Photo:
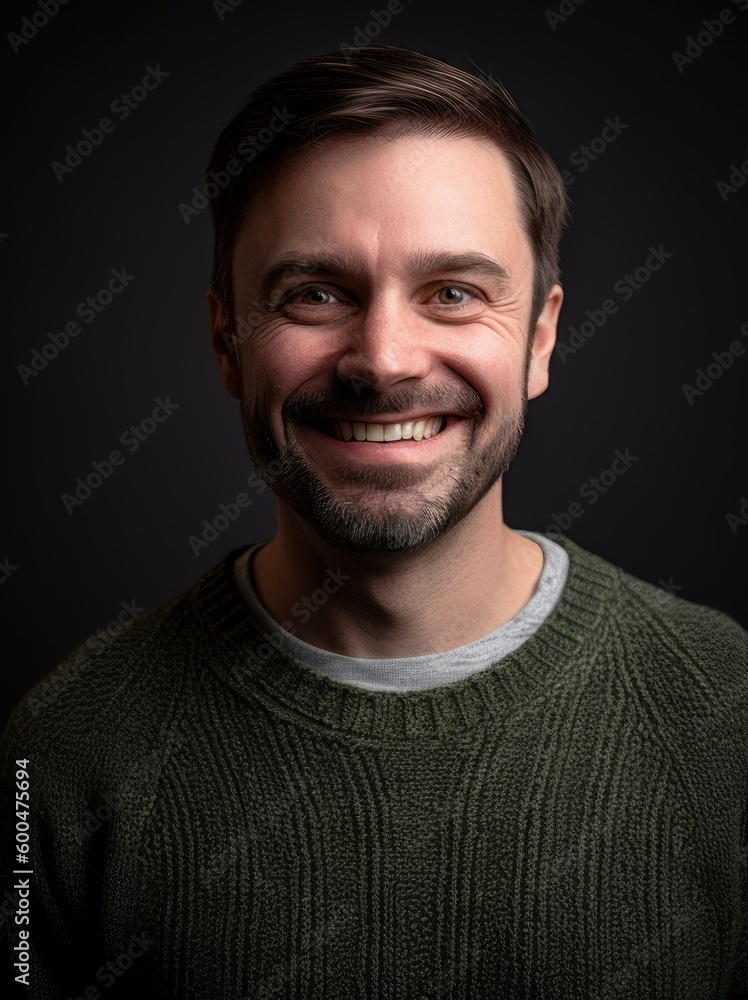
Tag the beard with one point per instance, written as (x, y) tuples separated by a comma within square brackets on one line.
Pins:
[(384, 508)]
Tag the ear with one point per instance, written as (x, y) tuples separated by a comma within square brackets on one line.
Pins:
[(543, 343), (224, 344)]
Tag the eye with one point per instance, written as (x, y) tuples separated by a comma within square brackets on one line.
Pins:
[(309, 296), (453, 295)]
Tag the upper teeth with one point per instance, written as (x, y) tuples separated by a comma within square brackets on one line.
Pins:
[(415, 429)]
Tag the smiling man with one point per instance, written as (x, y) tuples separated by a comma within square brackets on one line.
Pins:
[(384, 385), (399, 749)]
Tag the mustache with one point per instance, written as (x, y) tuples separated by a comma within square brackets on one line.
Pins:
[(363, 403)]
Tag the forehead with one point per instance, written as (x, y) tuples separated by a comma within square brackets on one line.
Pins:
[(380, 200)]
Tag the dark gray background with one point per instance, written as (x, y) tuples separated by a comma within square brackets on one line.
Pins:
[(664, 520)]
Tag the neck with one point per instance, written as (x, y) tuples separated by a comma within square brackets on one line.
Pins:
[(467, 583)]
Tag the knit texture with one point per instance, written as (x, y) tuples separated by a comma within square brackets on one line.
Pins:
[(568, 823)]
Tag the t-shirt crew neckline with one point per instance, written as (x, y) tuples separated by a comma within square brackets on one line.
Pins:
[(428, 670), (244, 657)]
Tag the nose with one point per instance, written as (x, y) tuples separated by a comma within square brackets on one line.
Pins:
[(387, 343)]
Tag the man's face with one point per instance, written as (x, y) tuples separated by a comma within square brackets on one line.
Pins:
[(406, 297)]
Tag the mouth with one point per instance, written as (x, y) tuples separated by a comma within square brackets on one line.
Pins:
[(381, 432)]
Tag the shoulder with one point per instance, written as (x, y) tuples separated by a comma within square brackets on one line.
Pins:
[(685, 626), (653, 614), (684, 663), (113, 695)]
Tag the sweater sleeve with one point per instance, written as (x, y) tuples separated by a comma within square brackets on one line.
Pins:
[(706, 725), (88, 733), (44, 866)]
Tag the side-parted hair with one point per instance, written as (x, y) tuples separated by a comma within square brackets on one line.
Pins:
[(393, 91)]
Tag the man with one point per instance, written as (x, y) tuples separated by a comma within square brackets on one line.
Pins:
[(400, 749)]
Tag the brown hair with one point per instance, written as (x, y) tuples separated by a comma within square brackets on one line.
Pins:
[(380, 88)]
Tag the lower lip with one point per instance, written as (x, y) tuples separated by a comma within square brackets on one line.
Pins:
[(383, 451)]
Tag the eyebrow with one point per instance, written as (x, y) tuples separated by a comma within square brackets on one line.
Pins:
[(417, 265)]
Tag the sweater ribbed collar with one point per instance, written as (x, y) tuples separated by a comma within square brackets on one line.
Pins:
[(243, 655)]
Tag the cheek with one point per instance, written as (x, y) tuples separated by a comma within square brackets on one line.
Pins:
[(492, 363), (275, 360), (271, 352), (288, 355), (498, 389)]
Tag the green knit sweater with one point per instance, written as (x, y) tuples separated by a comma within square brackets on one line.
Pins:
[(212, 819)]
